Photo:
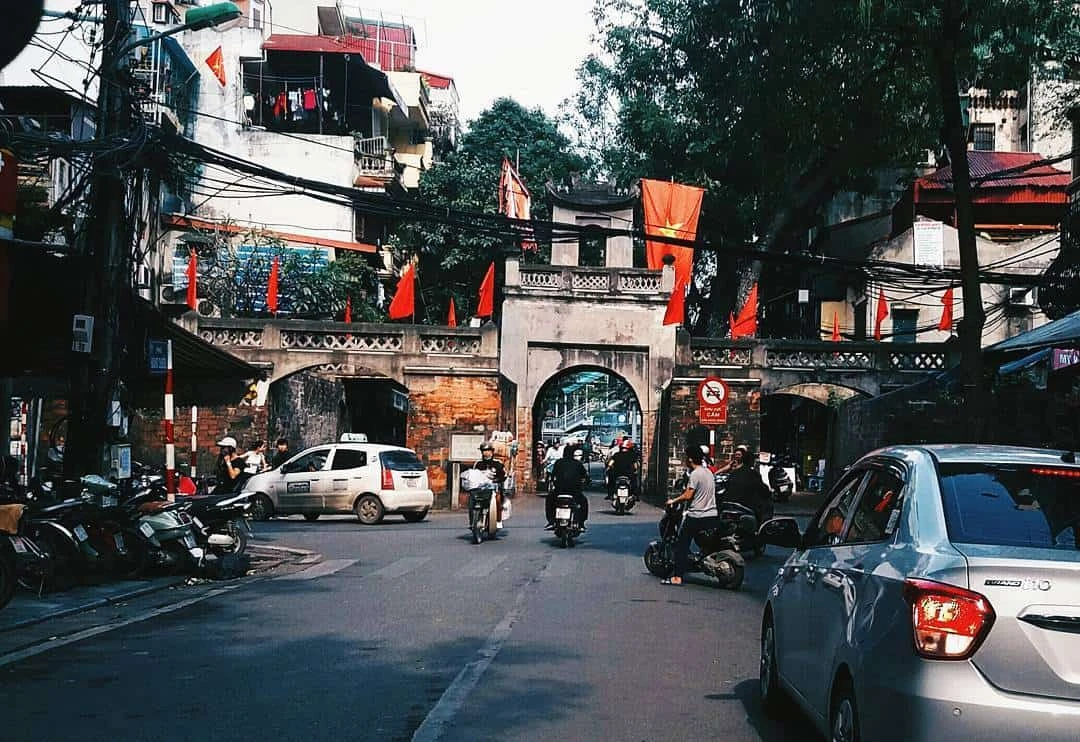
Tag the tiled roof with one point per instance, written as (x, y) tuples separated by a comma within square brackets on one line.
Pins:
[(982, 164)]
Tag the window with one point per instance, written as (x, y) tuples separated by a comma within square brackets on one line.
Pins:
[(161, 12), (828, 529), (313, 461), (905, 322), (348, 458), (255, 20), (878, 510), (983, 137), (1012, 505), (401, 460)]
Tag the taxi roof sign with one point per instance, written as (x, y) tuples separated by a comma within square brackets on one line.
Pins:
[(353, 438)]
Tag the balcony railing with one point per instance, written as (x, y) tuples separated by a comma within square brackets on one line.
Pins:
[(373, 156)]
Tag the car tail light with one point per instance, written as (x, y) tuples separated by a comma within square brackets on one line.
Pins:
[(949, 623), (1066, 473), (387, 479)]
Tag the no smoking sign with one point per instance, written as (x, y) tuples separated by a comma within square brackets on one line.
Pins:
[(712, 401)]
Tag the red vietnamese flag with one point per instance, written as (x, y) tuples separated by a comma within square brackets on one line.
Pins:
[(675, 314), (348, 309), (515, 200), (882, 313), (216, 63), (192, 281), (451, 316), (485, 307), (835, 327), (404, 302), (947, 312), (745, 325), (272, 287), (671, 210)]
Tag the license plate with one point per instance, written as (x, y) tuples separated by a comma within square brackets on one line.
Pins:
[(118, 539), (562, 513), (80, 533), (197, 522), (18, 545), (147, 530), (189, 541), (623, 493)]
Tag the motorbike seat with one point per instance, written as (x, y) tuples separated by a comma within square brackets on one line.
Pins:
[(9, 517), (57, 508)]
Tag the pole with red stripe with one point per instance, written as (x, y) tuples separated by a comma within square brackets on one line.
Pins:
[(194, 441), (170, 444)]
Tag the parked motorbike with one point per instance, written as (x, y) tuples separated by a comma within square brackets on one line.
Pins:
[(567, 519), (717, 553), (220, 522), (161, 535), (22, 562), (623, 498)]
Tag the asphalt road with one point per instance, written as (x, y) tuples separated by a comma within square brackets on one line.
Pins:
[(410, 632)]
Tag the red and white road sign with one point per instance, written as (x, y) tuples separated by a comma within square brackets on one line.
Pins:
[(712, 401)]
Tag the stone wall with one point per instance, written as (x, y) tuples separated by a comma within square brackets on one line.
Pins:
[(306, 409), (440, 405)]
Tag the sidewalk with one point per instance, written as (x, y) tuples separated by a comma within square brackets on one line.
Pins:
[(26, 609)]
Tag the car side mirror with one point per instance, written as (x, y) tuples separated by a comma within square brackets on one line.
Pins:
[(782, 532)]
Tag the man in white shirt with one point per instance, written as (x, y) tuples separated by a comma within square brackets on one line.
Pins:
[(700, 515)]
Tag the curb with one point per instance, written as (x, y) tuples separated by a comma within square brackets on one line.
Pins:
[(308, 558)]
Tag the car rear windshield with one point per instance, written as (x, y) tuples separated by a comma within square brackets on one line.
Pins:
[(1009, 505), (401, 461)]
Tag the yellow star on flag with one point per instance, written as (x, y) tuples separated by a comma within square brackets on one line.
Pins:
[(669, 229)]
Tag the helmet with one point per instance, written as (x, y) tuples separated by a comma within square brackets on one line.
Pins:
[(486, 446), (627, 444), (227, 441), (578, 453), (705, 449)]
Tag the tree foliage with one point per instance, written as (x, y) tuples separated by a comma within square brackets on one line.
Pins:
[(452, 262), (774, 106)]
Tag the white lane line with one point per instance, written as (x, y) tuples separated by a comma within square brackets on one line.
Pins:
[(401, 567), (22, 654), (482, 567), (453, 698), (322, 569)]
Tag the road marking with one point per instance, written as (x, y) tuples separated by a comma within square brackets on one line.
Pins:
[(453, 698), (322, 569), (401, 567), (78, 636), (482, 567)]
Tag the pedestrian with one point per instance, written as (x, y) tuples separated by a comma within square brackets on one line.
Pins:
[(281, 453), (255, 458)]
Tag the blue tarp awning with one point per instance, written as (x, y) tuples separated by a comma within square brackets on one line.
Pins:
[(1021, 363)]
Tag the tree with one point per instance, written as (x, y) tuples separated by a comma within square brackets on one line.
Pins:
[(452, 261)]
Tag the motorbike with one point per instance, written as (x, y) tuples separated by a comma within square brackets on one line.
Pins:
[(22, 561), (717, 553), (781, 482), (482, 512), (567, 519), (623, 498), (220, 522), (160, 535)]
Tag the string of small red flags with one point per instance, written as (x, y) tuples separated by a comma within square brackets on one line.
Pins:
[(946, 321), (745, 323), (881, 314)]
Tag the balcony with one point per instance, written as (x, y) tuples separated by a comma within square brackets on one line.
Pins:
[(165, 82)]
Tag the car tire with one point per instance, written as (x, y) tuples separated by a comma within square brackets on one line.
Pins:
[(262, 508), (844, 713), (774, 699), (415, 516), (369, 510), (311, 517)]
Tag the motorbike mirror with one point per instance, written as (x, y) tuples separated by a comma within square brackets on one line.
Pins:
[(782, 532)]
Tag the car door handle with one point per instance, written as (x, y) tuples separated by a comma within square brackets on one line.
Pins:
[(833, 580)]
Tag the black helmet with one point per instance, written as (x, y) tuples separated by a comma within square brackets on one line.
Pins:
[(486, 446)]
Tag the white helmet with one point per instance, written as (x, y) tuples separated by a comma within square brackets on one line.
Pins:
[(227, 441)]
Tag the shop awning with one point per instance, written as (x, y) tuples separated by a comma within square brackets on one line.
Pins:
[(1021, 363)]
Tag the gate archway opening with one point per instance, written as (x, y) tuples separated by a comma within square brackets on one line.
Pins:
[(797, 424), (591, 406)]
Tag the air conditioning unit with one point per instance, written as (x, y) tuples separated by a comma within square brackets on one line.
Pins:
[(168, 294), (1021, 297), (207, 308)]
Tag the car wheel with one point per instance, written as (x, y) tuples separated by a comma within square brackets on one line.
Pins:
[(369, 510), (773, 698), (844, 714), (262, 508), (415, 516), (311, 517)]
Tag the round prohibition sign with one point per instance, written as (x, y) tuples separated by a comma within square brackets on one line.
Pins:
[(713, 392)]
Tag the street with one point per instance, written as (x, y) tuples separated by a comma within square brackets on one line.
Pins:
[(408, 631)]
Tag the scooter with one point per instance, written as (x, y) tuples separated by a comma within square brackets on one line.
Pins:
[(567, 519), (780, 482), (22, 561), (482, 512), (717, 553), (623, 498), (220, 521)]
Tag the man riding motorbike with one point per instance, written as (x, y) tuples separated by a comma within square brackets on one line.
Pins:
[(488, 462), (569, 477), (744, 484), (623, 464)]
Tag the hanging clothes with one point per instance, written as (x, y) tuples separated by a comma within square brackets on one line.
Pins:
[(309, 100), (281, 105)]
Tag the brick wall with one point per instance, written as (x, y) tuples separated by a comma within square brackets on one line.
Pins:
[(147, 433), (441, 405)]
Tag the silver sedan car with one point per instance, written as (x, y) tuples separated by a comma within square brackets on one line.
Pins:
[(935, 595)]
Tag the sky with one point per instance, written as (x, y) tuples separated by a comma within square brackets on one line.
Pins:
[(492, 48)]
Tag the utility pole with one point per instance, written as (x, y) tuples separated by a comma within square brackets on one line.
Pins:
[(108, 252)]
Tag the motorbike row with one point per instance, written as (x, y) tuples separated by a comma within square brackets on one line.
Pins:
[(51, 541)]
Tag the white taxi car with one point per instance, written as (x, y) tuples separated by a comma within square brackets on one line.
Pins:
[(367, 479)]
